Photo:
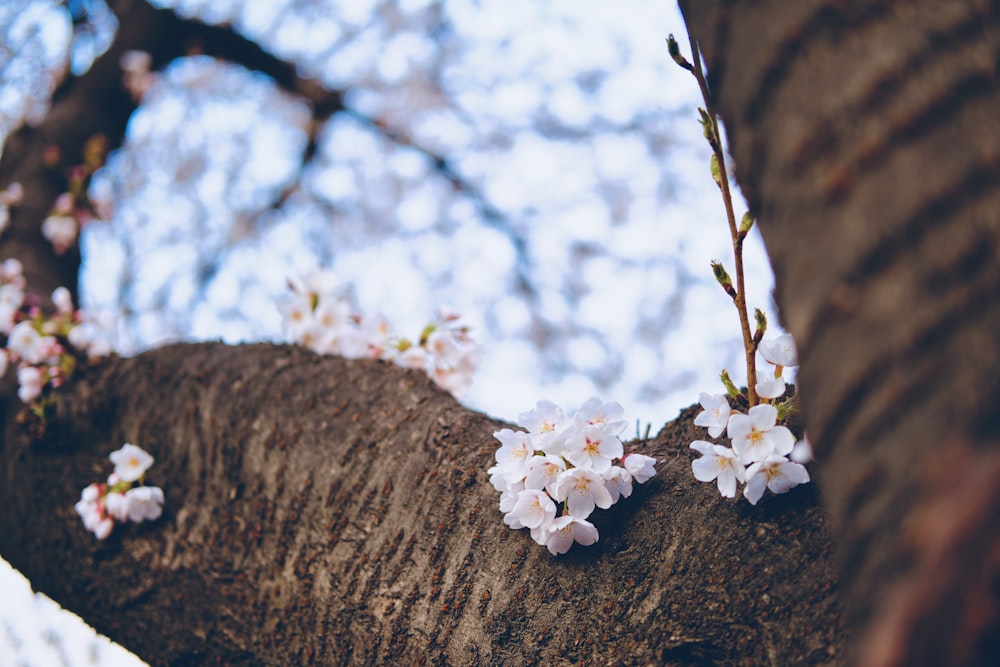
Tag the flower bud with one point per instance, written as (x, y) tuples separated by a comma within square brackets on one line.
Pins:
[(728, 384), (675, 52), (716, 172), (761, 320), (723, 278), (707, 127)]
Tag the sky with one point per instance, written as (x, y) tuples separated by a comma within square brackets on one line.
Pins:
[(567, 118)]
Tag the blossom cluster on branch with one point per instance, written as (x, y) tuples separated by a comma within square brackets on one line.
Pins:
[(123, 497), (318, 316), (764, 454), (552, 476), (75, 208), (46, 348)]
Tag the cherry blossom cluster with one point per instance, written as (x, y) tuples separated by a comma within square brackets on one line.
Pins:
[(318, 316), (552, 476), (73, 209), (123, 497), (763, 454), (46, 348)]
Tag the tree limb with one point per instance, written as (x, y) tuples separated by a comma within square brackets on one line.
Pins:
[(326, 511)]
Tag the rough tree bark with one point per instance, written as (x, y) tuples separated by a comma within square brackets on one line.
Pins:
[(867, 139), (320, 511)]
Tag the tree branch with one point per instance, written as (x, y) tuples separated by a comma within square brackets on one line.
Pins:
[(321, 510)]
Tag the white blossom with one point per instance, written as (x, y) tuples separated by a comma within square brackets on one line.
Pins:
[(755, 435), (715, 415), (718, 463), (514, 454), (774, 472), (30, 383), (532, 509), (23, 341), (769, 387), (618, 482), (593, 448), (780, 351), (61, 231), (543, 471), (145, 503), (582, 490), (545, 424), (131, 462), (569, 462), (802, 452), (116, 505), (640, 467), (596, 412), (565, 530)]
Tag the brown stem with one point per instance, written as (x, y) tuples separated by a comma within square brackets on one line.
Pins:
[(740, 300)]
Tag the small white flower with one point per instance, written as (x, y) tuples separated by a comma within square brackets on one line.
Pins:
[(412, 357), (774, 472), (145, 503), (514, 454), (11, 269), (582, 490), (11, 295), (62, 300), (90, 509), (565, 530), (780, 351), (618, 482), (23, 341), (802, 452), (593, 448), (61, 231), (456, 376), (532, 509), (103, 528), (30, 382), (13, 195), (296, 314), (543, 471), (640, 467), (596, 412), (755, 435), (718, 462), (545, 424), (332, 314), (116, 505), (131, 462), (769, 387), (715, 415)]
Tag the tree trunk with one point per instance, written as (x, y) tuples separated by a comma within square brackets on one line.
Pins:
[(327, 511), (867, 139)]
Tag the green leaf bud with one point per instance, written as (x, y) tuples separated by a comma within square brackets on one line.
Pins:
[(675, 52), (727, 382), (722, 277)]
